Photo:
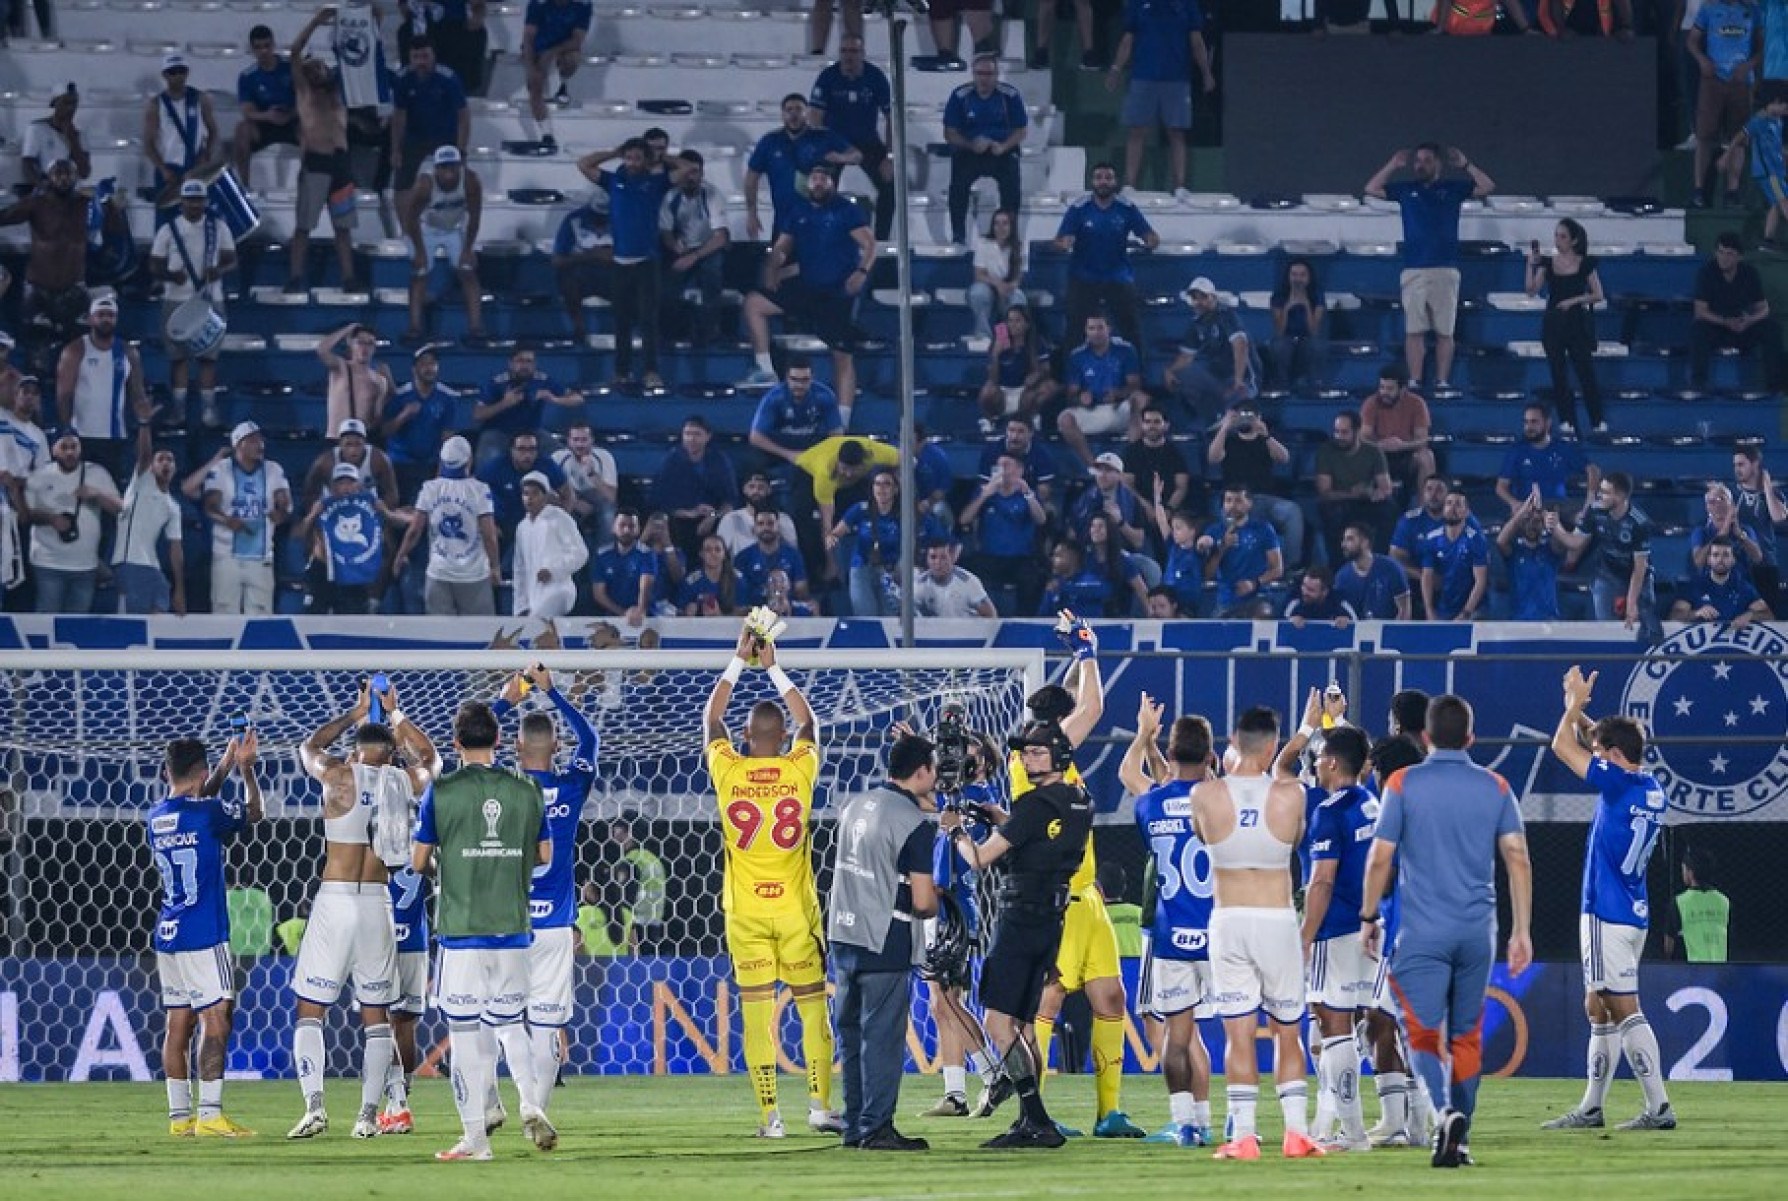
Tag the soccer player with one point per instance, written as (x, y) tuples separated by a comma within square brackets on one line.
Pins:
[(188, 831), (486, 831), (1046, 836), (1615, 909), (409, 914), (1340, 975), (1176, 960), (773, 922), (1441, 827), (1250, 822), (368, 804), (552, 903), (1088, 958)]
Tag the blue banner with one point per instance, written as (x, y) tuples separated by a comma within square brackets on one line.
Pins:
[(99, 1019)]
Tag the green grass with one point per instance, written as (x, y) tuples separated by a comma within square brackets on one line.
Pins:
[(690, 1138)]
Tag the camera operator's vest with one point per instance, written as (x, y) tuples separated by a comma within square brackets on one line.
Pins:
[(865, 870)]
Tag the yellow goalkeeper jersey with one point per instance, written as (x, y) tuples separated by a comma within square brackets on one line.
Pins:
[(766, 811), (1088, 871)]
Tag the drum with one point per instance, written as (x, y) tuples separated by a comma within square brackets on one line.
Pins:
[(230, 203), (196, 326)]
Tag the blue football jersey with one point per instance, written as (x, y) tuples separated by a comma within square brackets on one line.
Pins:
[(187, 836), (1184, 877), (552, 900), (1342, 831), (947, 867), (409, 908), (1621, 839)]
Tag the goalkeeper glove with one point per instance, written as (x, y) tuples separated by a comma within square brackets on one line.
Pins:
[(764, 625), (1076, 635)]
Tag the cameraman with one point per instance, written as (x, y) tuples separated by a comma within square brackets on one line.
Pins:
[(971, 792), (1045, 838), (881, 882)]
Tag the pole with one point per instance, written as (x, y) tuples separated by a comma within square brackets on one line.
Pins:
[(903, 261)]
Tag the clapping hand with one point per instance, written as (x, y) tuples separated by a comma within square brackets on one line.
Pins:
[(1578, 688)]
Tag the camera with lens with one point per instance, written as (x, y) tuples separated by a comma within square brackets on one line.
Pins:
[(952, 742)]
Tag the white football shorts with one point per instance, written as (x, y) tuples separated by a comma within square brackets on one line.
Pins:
[(1172, 986), (1257, 962), (549, 976), (1610, 955), (1342, 976), (350, 936), (412, 983), (195, 979), (473, 983)]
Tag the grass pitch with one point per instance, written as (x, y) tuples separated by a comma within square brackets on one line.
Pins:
[(689, 1138)]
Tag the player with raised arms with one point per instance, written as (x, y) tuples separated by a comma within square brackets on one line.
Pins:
[(369, 803), (773, 924), (485, 829), (1250, 823), (1629, 817), (1042, 842), (1176, 967), (1088, 959), (1340, 974), (188, 831), (552, 901)]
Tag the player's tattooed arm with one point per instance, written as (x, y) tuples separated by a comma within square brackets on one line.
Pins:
[(413, 741), (314, 754), (215, 781), (247, 752)]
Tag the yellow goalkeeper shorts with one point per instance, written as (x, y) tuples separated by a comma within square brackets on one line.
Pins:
[(767, 949), (1089, 945)]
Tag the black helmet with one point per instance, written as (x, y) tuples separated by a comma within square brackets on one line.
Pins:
[(1049, 734)]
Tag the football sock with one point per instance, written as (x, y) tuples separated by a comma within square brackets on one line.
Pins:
[(474, 1075), (1341, 1070), (375, 1070), (1294, 1105), (518, 1053), (1045, 1029), (1641, 1046), (1393, 1099), (955, 1081), (983, 1066), (179, 1099), (493, 1100), (1023, 1072), (545, 1042), (1604, 1052), (210, 1099), (1242, 1099), (1108, 1063), (307, 1053), (1183, 1109), (1325, 1097), (1201, 1113), (816, 1047), (397, 1087), (760, 1050)]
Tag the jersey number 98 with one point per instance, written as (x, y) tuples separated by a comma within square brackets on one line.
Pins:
[(786, 823)]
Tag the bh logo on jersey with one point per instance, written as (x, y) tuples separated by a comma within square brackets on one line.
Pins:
[(768, 890), (1711, 684)]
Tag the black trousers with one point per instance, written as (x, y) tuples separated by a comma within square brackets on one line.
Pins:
[(874, 155), (965, 168), (1569, 336), (1765, 337), (1118, 302), (636, 304)]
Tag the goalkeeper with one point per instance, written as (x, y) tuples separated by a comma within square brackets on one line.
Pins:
[(773, 922), (1042, 842)]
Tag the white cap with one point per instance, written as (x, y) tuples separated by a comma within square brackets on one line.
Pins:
[(1202, 284), (103, 301), (345, 471), (448, 156), (350, 425), (538, 479), (1109, 459), (193, 187), (173, 62), (456, 452), (244, 429)]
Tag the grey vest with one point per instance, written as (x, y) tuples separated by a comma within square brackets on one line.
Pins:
[(865, 874)]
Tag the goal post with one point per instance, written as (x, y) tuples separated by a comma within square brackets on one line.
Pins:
[(82, 736)]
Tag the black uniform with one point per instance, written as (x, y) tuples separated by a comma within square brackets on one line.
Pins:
[(1047, 831)]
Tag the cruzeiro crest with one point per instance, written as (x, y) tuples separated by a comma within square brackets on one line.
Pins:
[(1732, 684)]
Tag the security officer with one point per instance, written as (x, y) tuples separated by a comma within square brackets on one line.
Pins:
[(881, 884)]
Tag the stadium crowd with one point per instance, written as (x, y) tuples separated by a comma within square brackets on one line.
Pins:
[(1110, 481)]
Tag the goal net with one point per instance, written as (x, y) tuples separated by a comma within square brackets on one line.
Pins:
[(81, 743)]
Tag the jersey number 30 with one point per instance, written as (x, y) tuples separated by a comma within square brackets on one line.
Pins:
[(786, 824)]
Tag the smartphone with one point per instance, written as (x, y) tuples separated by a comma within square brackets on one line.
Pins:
[(241, 724), (380, 685)]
